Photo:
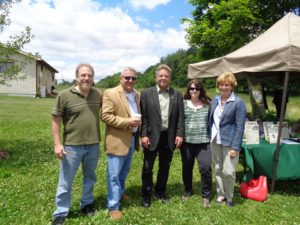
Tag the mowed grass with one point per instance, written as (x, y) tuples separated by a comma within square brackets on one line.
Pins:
[(28, 180)]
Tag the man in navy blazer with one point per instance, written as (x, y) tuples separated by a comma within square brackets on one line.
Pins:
[(162, 131)]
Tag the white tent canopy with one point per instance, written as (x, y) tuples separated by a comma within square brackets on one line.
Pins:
[(277, 49)]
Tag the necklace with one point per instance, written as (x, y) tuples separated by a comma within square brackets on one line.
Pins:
[(222, 105), (223, 102)]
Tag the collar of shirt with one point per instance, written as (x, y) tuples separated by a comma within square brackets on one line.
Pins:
[(130, 95), (74, 90), (230, 99), (190, 104), (161, 91)]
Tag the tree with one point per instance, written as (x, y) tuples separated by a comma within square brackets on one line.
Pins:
[(222, 26), (10, 68), (177, 61), (109, 81)]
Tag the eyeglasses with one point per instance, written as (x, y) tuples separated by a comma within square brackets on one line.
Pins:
[(194, 89), (130, 78)]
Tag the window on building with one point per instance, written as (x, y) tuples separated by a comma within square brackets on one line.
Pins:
[(5, 66)]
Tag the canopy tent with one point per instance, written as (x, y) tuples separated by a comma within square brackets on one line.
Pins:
[(276, 51)]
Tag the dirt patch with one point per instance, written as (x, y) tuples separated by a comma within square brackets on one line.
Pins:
[(3, 154)]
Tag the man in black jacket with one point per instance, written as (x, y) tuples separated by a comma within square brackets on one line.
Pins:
[(162, 132)]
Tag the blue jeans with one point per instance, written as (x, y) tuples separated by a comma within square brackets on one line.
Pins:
[(117, 170), (88, 155)]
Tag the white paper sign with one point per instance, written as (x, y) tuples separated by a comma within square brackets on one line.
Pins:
[(251, 132)]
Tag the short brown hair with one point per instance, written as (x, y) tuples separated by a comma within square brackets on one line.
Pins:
[(86, 65)]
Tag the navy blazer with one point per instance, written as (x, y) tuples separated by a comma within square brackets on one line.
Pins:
[(151, 116), (232, 122)]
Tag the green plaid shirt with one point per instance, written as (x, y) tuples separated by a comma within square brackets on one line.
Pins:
[(195, 124)]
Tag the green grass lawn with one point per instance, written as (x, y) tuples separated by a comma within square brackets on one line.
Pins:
[(28, 180)]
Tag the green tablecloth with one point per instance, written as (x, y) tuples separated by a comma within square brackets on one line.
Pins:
[(259, 160)]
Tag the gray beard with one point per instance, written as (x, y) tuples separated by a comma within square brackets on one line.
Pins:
[(85, 87)]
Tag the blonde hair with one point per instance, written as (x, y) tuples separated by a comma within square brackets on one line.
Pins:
[(226, 77)]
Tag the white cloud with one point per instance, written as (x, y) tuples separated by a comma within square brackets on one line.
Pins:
[(142, 20), (168, 40), (148, 4), (72, 31)]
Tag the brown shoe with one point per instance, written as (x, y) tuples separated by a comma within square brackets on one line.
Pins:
[(125, 198), (115, 214)]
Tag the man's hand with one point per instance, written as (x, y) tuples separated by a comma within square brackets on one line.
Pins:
[(178, 141), (145, 142), (134, 122), (59, 151)]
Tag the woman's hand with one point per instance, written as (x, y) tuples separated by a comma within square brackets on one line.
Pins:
[(233, 153)]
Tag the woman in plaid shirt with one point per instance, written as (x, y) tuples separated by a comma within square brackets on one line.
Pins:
[(196, 142)]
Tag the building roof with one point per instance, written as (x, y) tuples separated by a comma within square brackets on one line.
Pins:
[(36, 58)]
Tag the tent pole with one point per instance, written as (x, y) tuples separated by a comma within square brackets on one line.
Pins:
[(282, 111)]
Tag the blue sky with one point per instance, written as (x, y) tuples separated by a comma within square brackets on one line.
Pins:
[(161, 16), (108, 34)]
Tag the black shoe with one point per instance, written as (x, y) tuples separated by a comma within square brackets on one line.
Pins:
[(146, 202), (230, 204), (162, 197), (59, 220), (186, 195), (88, 210)]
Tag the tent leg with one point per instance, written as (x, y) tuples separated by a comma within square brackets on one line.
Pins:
[(277, 150)]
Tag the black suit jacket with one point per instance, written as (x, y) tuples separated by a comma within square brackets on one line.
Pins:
[(151, 116)]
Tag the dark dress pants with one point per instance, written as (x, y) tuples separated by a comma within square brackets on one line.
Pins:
[(202, 153), (165, 158)]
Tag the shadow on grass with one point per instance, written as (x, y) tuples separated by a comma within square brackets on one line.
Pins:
[(99, 204), (285, 187), (282, 187), (174, 191)]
